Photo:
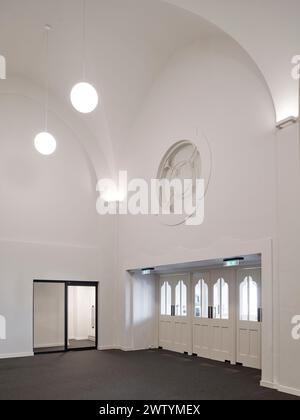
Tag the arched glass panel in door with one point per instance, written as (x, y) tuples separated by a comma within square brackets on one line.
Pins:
[(165, 299), (197, 302), (224, 300), (181, 299), (201, 299), (253, 300), (248, 300), (221, 299), (244, 308), (217, 299)]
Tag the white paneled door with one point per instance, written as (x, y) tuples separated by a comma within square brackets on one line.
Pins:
[(201, 316), (213, 318), (174, 317), (214, 314), (249, 318)]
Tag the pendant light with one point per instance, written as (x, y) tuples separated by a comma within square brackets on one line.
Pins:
[(84, 96), (44, 142)]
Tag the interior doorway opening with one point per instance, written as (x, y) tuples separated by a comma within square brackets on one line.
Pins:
[(81, 317), (65, 316)]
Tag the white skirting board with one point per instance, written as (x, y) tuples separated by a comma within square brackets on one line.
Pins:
[(79, 338), (266, 384), (288, 390), (45, 346), (101, 348), (112, 347), (15, 355), (281, 388)]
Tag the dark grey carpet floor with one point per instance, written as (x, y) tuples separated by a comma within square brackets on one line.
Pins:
[(152, 374)]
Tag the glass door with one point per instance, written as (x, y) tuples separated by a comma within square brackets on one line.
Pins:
[(82, 319), (65, 316), (49, 317)]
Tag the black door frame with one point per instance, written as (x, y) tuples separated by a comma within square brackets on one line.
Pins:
[(67, 284)]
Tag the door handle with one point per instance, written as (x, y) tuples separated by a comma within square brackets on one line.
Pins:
[(259, 315), (93, 317)]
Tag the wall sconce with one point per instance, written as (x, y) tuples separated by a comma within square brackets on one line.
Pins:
[(286, 122)]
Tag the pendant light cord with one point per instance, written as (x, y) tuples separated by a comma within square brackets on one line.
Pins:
[(84, 40), (47, 28)]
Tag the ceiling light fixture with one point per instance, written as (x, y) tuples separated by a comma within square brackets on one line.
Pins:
[(44, 142), (84, 96)]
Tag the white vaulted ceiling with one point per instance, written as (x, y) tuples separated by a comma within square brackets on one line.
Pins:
[(130, 41), (269, 31)]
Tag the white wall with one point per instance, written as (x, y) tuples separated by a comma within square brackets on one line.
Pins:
[(2, 328), (253, 197), (21, 263), (49, 225), (212, 86), (288, 292)]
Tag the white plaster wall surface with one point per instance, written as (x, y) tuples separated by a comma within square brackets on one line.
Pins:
[(20, 263), (212, 86), (50, 227), (288, 262)]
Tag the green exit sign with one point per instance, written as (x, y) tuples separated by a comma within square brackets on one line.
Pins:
[(232, 263)]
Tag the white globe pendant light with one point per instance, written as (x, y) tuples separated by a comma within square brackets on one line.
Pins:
[(84, 96), (45, 142)]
